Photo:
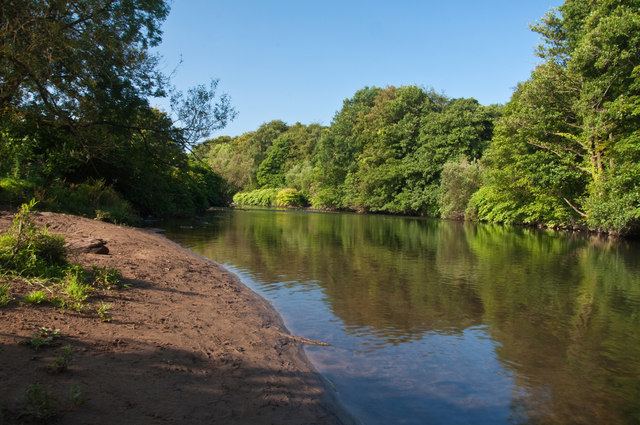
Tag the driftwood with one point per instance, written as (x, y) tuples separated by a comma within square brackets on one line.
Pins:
[(92, 246)]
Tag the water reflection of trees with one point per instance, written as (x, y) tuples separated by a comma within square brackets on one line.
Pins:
[(565, 309)]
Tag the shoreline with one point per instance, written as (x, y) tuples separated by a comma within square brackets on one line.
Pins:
[(576, 229), (188, 343)]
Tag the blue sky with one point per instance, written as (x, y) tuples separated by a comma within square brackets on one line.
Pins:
[(297, 60)]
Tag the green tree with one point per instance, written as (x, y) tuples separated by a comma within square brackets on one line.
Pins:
[(76, 78), (567, 148)]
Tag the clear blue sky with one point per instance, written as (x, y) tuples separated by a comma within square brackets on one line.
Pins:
[(297, 60)]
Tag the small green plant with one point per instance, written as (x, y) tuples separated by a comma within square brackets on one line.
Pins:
[(77, 396), (107, 277), (35, 297), (44, 337), (74, 288), (104, 312), (61, 362), (39, 403), (5, 294)]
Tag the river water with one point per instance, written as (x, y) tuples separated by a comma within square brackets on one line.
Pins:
[(436, 322)]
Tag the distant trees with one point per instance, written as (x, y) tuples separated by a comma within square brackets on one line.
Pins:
[(564, 151), (383, 152)]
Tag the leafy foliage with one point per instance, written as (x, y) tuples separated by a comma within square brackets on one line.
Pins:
[(40, 404), (31, 254), (35, 297), (290, 198), (566, 149), (384, 151), (271, 197), (256, 198), (459, 180), (75, 117), (31, 251)]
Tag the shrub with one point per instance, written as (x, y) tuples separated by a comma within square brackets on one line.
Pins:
[(15, 191), (326, 198), (614, 201), (94, 199), (256, 198), (28, 250), (290, 198), (271, 197)]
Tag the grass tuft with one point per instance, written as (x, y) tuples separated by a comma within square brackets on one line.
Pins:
[(77, 397), (5, 294), (35, 297), (39, 403), (74, 288), (104, 312), (32, 254), (107, 277)]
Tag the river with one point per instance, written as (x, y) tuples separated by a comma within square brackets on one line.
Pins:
[(437, 322)]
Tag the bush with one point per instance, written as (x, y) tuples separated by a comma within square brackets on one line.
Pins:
[(326, 199), (270, 197), (290, 198), (256, 198), (27, 250), (93, 199), (15, 191)]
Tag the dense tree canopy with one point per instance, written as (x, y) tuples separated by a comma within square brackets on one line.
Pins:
[(384, 151), (75, 82), (568, 147)]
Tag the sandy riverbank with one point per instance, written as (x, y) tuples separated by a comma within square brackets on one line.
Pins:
[(188, 343)]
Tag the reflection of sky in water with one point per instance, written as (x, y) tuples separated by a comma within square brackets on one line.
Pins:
[(450, 378)]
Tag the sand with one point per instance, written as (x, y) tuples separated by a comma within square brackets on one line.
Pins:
[(188, 344)]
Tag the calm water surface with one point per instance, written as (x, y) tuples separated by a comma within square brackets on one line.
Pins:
[(434, 322)]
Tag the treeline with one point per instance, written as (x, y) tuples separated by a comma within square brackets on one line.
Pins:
[(563, 152), (384, 151), (77, 131)]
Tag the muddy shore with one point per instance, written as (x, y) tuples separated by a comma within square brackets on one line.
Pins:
[(187, 343)]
